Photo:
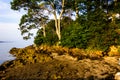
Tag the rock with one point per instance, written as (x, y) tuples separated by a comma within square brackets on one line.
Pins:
[(114, 51), (48, 62), (63, 57), (6, 65), (117, 76)]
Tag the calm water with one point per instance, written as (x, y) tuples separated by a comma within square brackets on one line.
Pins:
[(6, 46), (10, 37)]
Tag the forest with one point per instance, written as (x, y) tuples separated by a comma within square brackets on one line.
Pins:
[(86, 24)]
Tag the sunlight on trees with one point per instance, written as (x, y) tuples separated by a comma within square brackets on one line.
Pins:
[(96, 23)]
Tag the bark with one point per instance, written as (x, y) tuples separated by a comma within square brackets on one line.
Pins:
[(58, 21), (56, 24), (115, 1), (113, 18), (77, 13), (59, 30), (76, 9), (44, 33)]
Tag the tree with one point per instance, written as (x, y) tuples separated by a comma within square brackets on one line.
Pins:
[(93, 29), (57, 7), (54, 7), (33, 20), (51, 37), (75, 8), (93, 26)]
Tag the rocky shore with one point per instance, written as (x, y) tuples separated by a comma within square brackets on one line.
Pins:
[(55, 62)]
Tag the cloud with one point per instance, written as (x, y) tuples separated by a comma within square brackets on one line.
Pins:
[(9, 15)]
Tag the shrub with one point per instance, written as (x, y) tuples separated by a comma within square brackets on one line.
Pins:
[(98, 35), (51, 37), (75, 35)]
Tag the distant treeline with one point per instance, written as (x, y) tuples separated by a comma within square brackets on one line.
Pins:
[(6, 41)]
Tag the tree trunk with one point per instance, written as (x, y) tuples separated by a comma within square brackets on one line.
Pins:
[(56, 25), (58, 21), (44, 33), (77, 13), (76, 10), (59, 30)]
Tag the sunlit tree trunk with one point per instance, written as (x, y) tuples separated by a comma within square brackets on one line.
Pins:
[(115, 1), (58, 21), (44, 32), (57, 17), (76, 9)]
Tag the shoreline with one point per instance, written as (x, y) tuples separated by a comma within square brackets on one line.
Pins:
[(56, 62), (5, 48)]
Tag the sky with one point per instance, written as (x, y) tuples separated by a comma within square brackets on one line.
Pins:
[(7, 15), (9, 20), (9, 24)]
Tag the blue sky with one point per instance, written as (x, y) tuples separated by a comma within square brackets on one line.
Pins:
[(9, 20), (6, 14)]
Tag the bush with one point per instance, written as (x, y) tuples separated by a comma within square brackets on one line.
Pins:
[(51, 37), (75, 35), (98, 35)]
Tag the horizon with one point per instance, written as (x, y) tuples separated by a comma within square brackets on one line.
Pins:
[(10, 36)]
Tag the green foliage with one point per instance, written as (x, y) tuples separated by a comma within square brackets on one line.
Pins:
[(51, 37), (39, 39), (75, 35), (96, 33), (93, 29)]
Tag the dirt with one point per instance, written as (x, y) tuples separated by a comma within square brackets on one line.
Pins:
[(60, 67), (65, 69)]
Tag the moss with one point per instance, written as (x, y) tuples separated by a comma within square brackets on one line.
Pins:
[(43, 53), (54, 76)]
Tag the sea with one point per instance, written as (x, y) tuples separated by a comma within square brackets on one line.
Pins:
[(5, 47), (10, 36)]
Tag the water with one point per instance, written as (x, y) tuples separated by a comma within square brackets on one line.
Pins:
[(10, 37), (6, 46)]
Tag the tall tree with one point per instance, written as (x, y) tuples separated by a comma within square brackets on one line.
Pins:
[(75, 6), (54, 7), (32, 20)]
